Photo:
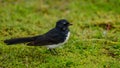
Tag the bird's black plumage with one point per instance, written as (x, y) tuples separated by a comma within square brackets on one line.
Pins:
[(53, 37)]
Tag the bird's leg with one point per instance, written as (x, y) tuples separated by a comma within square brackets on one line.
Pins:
[(53, 51), (50, 50)]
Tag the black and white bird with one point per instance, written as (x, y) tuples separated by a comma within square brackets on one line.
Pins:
[(52, 39)]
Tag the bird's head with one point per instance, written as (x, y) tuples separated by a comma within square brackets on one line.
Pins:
[(62, 24)]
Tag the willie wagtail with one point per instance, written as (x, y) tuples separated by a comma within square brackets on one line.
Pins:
[(52, 39)]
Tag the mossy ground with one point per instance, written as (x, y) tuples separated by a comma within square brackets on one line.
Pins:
[(94, 40)]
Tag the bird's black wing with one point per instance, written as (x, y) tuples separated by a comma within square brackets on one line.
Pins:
[(52, 37)]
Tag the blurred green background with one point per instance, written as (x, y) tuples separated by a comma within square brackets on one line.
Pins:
[(94, 40)]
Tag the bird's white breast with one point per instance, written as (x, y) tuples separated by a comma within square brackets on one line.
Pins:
[(67, 37), (56, 45)]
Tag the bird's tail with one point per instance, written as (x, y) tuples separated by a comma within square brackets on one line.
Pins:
[(19, 40)]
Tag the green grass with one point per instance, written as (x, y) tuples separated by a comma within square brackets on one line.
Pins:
[(90, 44)]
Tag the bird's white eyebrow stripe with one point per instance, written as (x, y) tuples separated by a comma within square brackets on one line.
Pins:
[(64, 22)]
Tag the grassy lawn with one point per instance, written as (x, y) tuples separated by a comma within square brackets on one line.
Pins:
[(94, 40)]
